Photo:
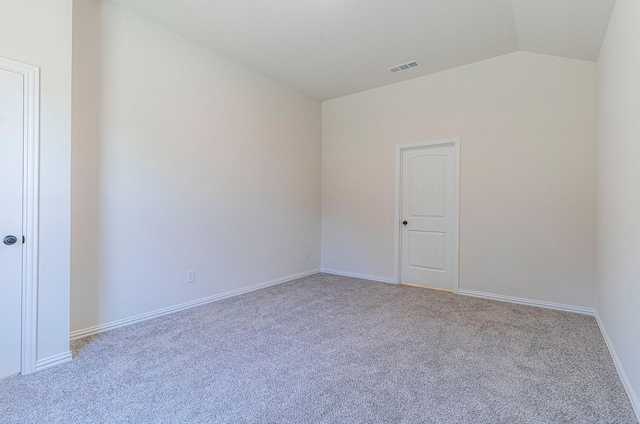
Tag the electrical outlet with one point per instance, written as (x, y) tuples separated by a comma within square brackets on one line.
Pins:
[(191, 276), (308, 255)]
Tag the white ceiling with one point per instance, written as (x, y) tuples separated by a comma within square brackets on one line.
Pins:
[(331, 48)]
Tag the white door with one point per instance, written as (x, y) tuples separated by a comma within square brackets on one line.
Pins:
[(11, 162), (429, 216)]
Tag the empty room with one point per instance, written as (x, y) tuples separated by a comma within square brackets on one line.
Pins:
[(330, 211)]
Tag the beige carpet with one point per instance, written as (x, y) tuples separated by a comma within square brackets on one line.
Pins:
[(327, 349)]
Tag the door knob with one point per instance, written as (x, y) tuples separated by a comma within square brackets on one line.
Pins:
[(404, 222), (9, 240)]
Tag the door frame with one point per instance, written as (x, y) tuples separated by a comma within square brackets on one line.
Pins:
[(30, 208), (397, 268)]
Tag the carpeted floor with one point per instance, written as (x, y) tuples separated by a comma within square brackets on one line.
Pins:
[(328, 349)]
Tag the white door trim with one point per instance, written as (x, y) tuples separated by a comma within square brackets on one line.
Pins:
[(30, 208), (398, 199)]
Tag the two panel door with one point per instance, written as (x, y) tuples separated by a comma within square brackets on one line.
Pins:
[(429, 205)]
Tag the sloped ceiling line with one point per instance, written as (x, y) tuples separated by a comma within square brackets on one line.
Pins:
[(332, 48)]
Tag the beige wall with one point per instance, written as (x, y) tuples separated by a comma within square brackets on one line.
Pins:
[(85, 164), (618, 187), (527, 198), (38, 32), (198, 163)]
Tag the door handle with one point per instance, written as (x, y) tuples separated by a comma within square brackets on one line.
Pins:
[(404, 222), (10, 240)]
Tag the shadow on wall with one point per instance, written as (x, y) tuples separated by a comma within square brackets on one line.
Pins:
[(85, 163)]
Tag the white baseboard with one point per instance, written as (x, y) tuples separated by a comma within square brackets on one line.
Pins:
[(530, 302), (633, 398), (52, 361), (356, 275), (159, 312)]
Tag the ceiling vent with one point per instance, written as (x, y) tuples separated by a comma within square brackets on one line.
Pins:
[(404, 67)]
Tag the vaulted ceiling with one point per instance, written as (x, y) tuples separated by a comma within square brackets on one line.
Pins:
[(331, 48)]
